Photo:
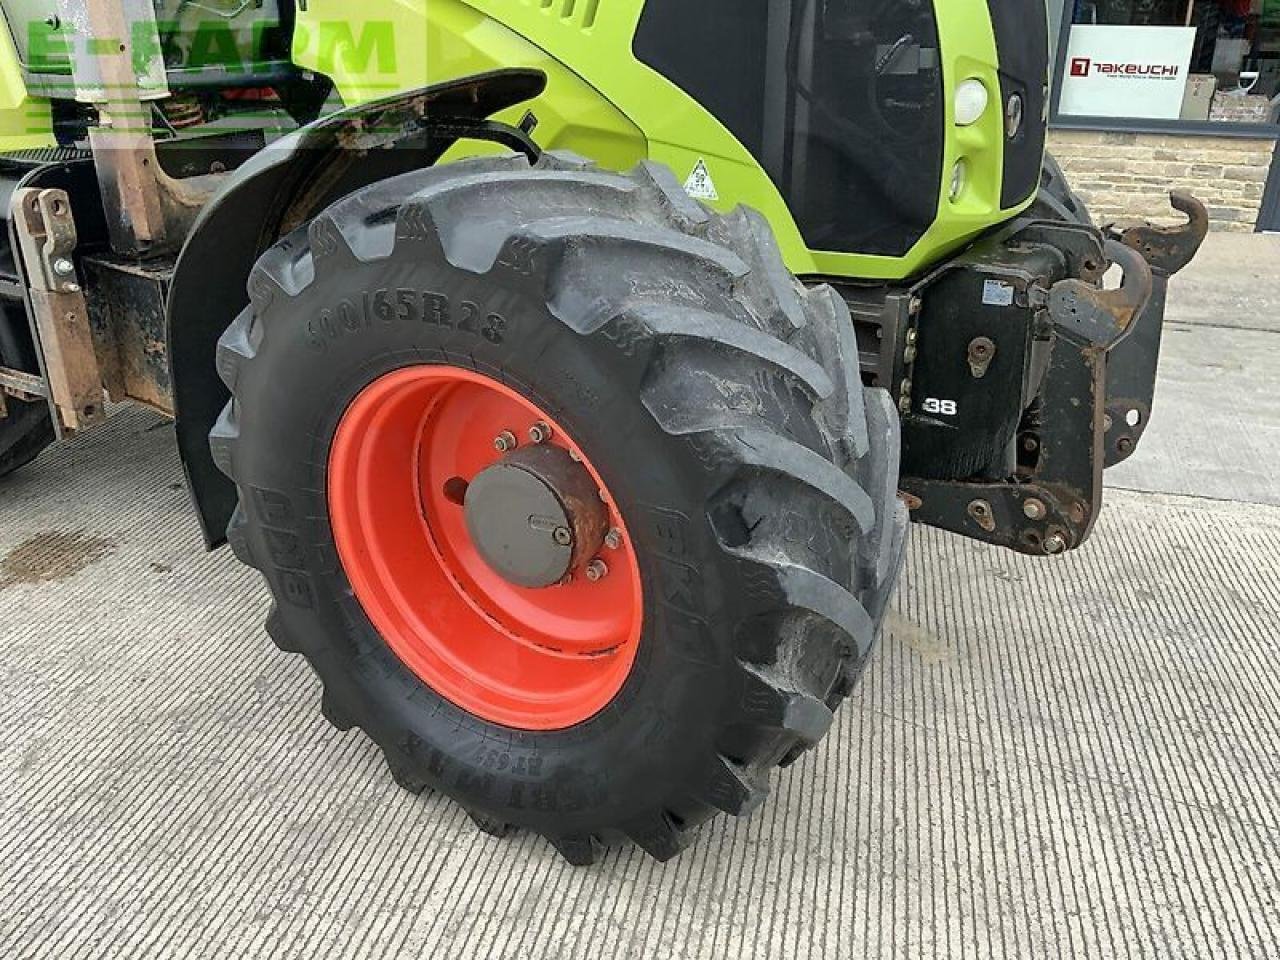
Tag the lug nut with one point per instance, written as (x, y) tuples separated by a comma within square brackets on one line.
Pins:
[(575, 456), (63, 267), (1034, 509), (505, 442), (540, 432), (597, 570), (562, 536), (613, 539), (1055, 544)]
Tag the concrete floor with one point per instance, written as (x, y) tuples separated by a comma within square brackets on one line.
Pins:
[(1064, 758)]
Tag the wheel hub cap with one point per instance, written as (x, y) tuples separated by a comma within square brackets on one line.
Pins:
[(535, 515)]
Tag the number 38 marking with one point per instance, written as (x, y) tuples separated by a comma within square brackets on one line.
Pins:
[(945, 408)]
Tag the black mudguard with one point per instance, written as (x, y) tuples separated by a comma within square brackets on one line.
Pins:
[(277, 191)]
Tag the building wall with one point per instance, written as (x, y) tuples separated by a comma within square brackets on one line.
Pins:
[(1129, 175)]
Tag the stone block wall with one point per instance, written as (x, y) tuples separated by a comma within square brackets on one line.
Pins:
[(1129, 175)]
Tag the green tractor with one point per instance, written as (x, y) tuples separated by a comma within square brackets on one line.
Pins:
[(571, 369)]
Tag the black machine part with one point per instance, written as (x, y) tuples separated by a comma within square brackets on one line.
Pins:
[(1020, 375)]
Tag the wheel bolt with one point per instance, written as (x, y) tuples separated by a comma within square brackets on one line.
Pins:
[(1055, 544), (613, 539), (562, 536), (540, 432), (597, 570), (1034, 509), (505, 442)]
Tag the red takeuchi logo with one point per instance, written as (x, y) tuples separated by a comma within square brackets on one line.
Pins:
[(1086, 67)]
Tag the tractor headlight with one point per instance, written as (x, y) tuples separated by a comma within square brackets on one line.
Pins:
[(971, 102)]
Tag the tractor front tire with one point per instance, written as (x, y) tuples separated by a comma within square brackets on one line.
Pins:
[(426, 347)]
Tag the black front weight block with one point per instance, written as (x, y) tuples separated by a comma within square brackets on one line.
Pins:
[(1083, 357)]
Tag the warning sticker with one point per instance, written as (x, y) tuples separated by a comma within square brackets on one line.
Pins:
[(700, 186), (997, 293)]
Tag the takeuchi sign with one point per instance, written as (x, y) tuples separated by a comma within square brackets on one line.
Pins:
[(1083, 67), (1137, 72)]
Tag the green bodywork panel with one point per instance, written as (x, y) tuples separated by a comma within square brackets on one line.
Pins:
[(26, 122), (604, 103)]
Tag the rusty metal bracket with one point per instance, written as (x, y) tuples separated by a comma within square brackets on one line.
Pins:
[(1131, 366), (1167, 249), (1086, 307), (47, 236)]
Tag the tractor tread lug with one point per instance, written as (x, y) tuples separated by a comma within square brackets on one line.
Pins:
[(698, 324), (579, 850), (734, 789)]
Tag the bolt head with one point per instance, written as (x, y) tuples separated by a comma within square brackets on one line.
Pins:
[(562, 536), (64, 267), (904, 405), (1055, 544), (613, 539), (597, 570), (505, 442), (1034, 509), (540, 432), (909, 355)]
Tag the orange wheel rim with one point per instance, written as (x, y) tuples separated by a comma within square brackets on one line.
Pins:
[(530, 658)]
